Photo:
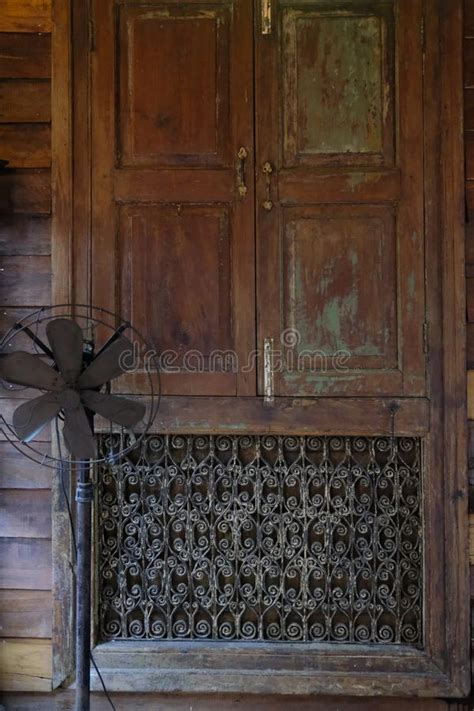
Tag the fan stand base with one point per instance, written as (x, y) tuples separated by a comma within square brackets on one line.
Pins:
[(84, 496)]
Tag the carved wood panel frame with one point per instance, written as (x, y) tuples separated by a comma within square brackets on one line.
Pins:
[(442, 668)]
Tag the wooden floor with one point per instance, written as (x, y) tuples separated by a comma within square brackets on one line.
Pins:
[(62, 701)]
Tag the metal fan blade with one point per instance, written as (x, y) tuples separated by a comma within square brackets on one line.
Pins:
[(107, 365), (23, 368), (65, 338), (78, 435), (31, 417), (120, 410)]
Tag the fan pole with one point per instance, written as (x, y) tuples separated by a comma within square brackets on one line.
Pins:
[(84, 494)]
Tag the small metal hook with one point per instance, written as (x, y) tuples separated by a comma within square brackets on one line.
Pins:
[(394, 408)]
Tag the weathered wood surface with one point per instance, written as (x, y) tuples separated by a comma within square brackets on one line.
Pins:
[(468, 18), (25, 16), (25, 564), (25, 664), (25, 613), (20, 472), (64, 701), (25, 56), (25, 513), (471, 539), (25, 235), (179, 156), (288, 416), (25, 102), (455, 426), (25, 191), (25, 194), (26, 280), (26, 145)]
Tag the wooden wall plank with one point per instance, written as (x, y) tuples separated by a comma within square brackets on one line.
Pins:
[(25, 101), (471, 539), (24, 682), (25, 235), (26, 145), (25, 513), (469, 153), (470, 298), (25, 613), (25, 564), (470, 345), (470, 195), (63, 700), (25, 192), (62, 176), (469, 109), (469, 63), (469, 241), (468, 18), (25, 56), (25, 280), (25, 664), (470, 394), (25, 16), (17, 472)]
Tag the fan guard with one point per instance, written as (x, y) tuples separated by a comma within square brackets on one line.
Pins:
[(73, 382)]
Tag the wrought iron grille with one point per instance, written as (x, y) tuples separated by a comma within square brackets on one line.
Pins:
[(262, 538)]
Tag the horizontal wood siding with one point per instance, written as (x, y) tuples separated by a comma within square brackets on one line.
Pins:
[(25, 56), (25, 613), (64, 701), (25, 101), (25, 283)]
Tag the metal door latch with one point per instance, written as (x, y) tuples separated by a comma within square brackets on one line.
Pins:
[(266, 17), (268, 395)]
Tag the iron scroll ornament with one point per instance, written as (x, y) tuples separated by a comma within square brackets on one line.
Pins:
[(253, 538)]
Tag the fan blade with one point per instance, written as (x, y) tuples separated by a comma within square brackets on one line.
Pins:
[(23, 368), (78, 435), (107, 365), (65, 338), (31, 417), (120, 410)]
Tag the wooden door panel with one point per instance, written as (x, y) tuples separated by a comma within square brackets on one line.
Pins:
[(340, 120), (337, 68), (180, 245), (174, 85), (339, 311), (166, 178)]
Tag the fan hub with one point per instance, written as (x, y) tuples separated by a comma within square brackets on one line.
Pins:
[(70, 399)]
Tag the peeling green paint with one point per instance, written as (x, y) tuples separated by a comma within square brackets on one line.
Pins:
[(340, 84), (354, 180)]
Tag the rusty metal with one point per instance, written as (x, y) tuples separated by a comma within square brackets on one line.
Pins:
[(266, 17), (267, 169), (241, 186), (268, 382), (262, 538)]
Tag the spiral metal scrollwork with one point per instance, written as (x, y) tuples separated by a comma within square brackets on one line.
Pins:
[(262, 538)]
